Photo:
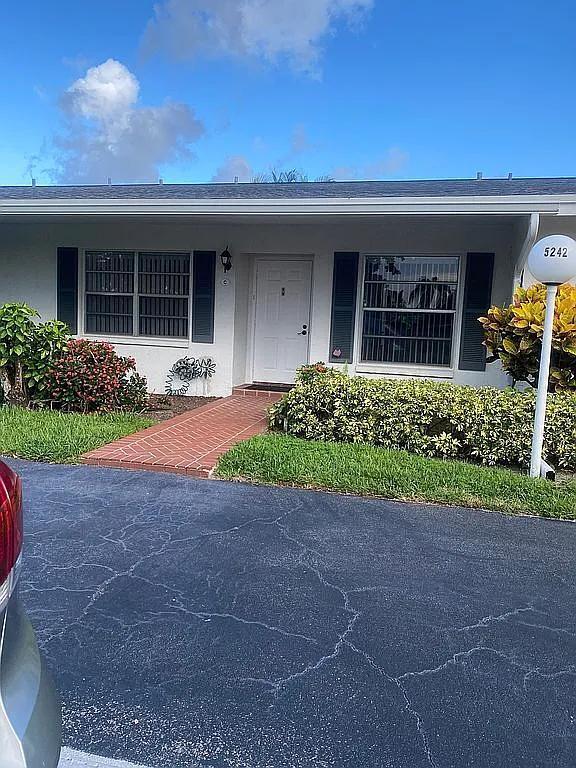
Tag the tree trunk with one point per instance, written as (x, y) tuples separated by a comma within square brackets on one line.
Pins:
[(14, 386), (5, 383)]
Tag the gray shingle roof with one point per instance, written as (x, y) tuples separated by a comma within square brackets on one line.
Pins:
[(333, 189)]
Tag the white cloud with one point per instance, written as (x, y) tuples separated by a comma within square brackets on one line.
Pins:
[(390, 163), (110, 135), (268, 30), (41, 92), (300, 142), (107, 92), (345, 173), (393, 161), (235, 166)]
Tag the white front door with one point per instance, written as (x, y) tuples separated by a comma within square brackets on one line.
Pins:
[(282, 326)]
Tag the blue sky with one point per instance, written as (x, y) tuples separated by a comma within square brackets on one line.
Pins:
[(204, 89)]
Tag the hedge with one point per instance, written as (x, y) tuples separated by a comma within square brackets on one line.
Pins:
[(486, 425)]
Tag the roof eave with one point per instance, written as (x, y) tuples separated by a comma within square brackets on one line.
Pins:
[(513, 204)]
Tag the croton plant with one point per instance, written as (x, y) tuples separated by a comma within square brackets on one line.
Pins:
[(513, 335)]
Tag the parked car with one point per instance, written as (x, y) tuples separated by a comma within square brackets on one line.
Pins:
[(30, 716)]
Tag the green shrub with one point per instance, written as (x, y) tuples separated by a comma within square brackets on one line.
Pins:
[(27, 350), (308, 372), (487, 425)]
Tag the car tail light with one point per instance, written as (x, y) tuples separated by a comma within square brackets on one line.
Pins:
[(11, 530)]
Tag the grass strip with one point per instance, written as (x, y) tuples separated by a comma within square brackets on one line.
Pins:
[(61, 437), (368, 470)]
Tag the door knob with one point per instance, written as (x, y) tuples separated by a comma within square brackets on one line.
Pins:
[(304, 330)]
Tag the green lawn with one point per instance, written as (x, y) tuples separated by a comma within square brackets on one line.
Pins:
[(367, 470), (61, 437)]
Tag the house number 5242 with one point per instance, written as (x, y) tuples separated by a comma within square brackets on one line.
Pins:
[(556, 252)]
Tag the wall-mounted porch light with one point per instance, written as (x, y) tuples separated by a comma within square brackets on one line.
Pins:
[(226, 259)]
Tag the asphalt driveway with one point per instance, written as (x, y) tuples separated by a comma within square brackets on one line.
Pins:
[(205, 624)]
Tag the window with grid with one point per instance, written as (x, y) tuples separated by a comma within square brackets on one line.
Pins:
[(163, 292), (143, 294), (110, 292), (409, 308)]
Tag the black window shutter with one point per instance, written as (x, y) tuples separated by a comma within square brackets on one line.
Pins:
[(203, 286), (344, 287), (477, 298), (67, 290)]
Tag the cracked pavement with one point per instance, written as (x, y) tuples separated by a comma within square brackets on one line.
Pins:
[(203, 624)]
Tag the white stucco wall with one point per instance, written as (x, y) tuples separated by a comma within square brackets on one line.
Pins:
[(322, 238), (28, 259)]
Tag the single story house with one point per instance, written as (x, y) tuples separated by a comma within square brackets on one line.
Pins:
[(387, 277)]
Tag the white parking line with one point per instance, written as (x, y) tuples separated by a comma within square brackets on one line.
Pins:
[(72, 759)]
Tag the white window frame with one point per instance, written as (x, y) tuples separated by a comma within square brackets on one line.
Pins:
[(134, 339), (409, 369)]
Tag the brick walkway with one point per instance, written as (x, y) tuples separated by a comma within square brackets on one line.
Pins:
[(190, 444)]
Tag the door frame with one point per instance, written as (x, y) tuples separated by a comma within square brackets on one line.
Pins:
[(255, 258)]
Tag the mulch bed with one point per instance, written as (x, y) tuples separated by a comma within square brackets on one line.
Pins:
[(162, 407)]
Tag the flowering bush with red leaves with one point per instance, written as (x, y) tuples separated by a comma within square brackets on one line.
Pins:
[(90, 376), (309, 372)]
